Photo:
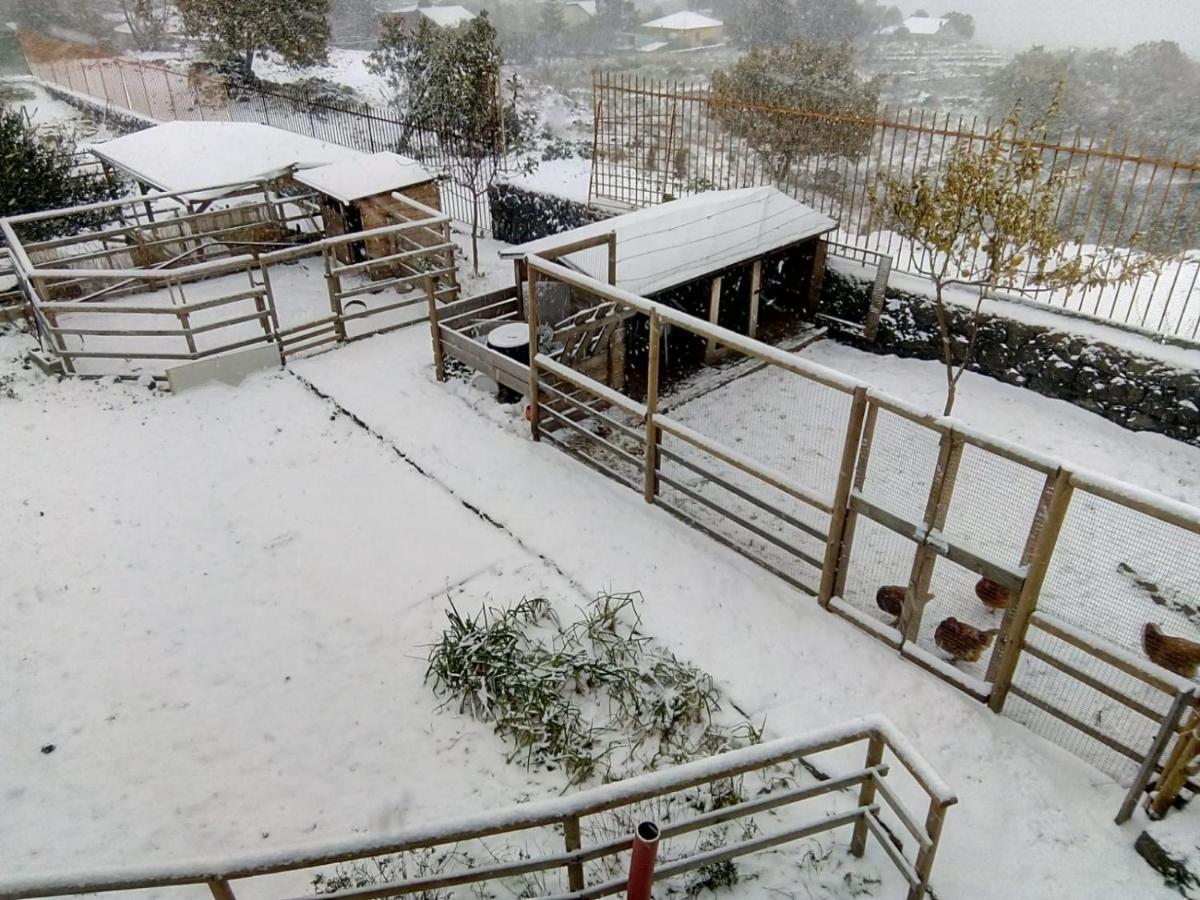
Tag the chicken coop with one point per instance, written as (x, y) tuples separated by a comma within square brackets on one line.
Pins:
[(360, 196), (749, 260)]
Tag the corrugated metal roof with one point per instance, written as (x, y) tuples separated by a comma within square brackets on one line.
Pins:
[(680, 241)]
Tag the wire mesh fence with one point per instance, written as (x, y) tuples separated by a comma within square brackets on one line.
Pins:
[(161, 94), (657, 140), (967, 553)]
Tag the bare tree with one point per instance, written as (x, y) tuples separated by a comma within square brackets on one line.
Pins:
[(147, 21)]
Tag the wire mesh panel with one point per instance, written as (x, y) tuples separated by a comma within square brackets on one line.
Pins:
[(880, 565), (900, 467)]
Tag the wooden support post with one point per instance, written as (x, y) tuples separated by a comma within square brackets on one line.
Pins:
[(186, 325), (439, 363), (452, 275), (572, 841), (1012, 639), (653, 436), (841, 497), (334, 284), (1167, 730), (612, 258), (860, 478), (813, 301), (220, 889), (936, 507), (714, 313), (59, 343), (755, 291), (535, 425), (1175, 771), (924, 864), (866, 796)]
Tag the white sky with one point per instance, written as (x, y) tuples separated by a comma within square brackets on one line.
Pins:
[(1087, 23)]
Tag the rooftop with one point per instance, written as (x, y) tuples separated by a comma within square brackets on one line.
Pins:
[(188, 156), (684, 21), (680, 241), (356, 179)]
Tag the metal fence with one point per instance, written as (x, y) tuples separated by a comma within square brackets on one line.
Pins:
[(160, 94), (577, 847), (656, 140)]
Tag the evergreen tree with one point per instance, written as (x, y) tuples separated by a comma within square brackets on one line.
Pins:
[(298, 30), (38, 173)]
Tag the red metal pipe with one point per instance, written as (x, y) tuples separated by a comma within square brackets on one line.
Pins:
[(641, 863)]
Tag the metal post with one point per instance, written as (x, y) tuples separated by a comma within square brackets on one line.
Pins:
[(641, 862)]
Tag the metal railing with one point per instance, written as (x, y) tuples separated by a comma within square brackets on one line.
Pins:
[(875, 811)]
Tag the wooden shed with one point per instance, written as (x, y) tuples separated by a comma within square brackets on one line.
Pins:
[(357, 196)]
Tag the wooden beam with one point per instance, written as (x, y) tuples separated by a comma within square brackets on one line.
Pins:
[(714, 313), (755, 293)]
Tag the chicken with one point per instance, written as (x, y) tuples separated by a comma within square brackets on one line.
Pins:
[(890, 598), (992, 594), (1176, 654), (964, 642)]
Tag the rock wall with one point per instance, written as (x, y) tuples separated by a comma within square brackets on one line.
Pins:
[(1136, 391), (520, 215)]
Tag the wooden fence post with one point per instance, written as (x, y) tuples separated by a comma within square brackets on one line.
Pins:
[(755, 292), (653, 435), (866, 796), (220, 889), (334, 284), (1175, 771), (714, 312), (941, 490), (612, 258), (1013, 639), (924, 864), (186, 325), (1167, 730), (572, 841), (841, 498), (535, 425), (860, 478), (439, 363)]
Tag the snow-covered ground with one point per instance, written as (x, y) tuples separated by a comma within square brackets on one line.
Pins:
[(217, 610)]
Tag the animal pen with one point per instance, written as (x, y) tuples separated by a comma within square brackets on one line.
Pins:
[(839, 489), (158, 281)]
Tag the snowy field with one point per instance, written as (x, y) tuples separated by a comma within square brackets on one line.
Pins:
[(222, 597)]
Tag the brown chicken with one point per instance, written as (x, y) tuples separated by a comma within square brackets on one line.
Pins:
[(992, 594), (890, 598), (1176, 654), (964, 642)]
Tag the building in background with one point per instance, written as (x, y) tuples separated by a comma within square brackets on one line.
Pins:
[(683, 30)]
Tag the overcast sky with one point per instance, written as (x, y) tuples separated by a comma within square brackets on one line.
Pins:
[(1088, 23)]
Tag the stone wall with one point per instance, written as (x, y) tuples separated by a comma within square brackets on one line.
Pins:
[(1136, 391), (520, 215)]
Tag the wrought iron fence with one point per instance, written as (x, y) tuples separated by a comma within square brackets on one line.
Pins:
[(160, 94), (657, 140)]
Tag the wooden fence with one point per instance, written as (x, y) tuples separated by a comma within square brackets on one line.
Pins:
[(159, 94), (841, 490), (161, 285), (592, 869), (654, 140)]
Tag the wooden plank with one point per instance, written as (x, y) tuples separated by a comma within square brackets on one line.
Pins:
[(714, 313), (755, 292), (591, 386), (1094, 683), (439, 362), (1068, 719)]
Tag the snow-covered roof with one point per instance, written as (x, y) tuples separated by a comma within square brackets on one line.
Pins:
[(189, 156), (686, 20), (923, 24), (588, 6), (356, 179), (680, 241), (447, 16), (653, 46)]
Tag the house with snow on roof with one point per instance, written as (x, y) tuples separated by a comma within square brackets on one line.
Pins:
[(578, 13), (683, 30), (918, 25), (409, 15)]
